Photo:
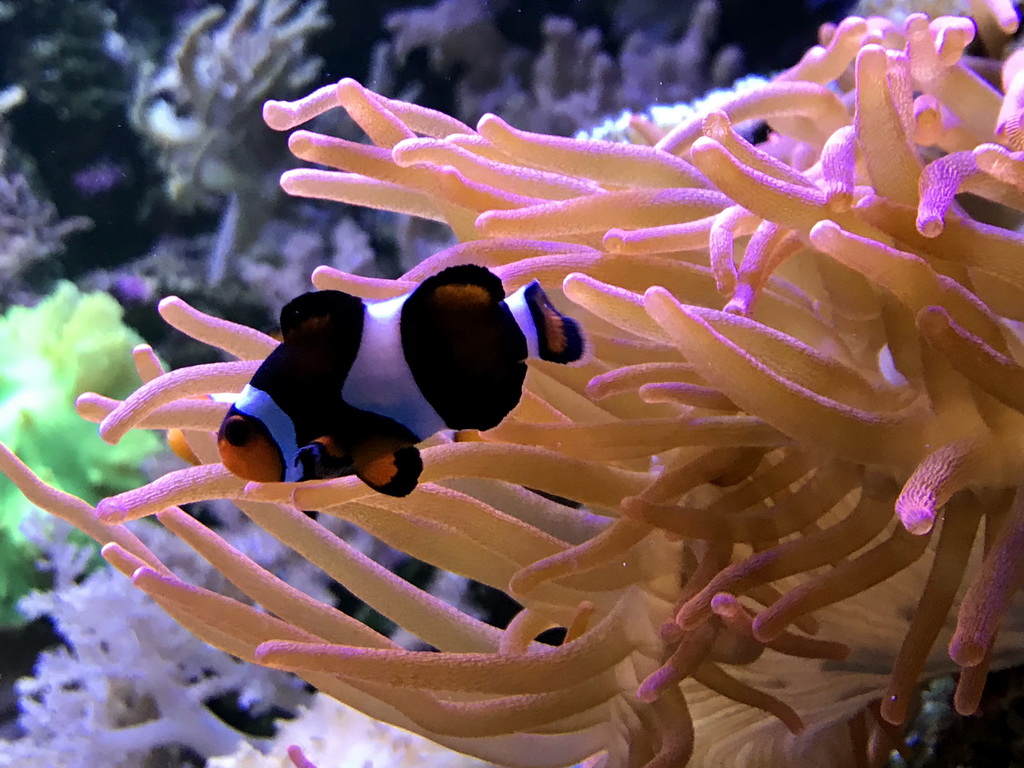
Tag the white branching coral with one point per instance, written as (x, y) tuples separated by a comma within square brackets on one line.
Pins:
[(127, 681), (334, 735)]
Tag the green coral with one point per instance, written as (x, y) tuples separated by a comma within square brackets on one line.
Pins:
[(68, 344)]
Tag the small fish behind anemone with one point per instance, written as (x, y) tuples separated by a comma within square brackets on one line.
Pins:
[(355, 385)]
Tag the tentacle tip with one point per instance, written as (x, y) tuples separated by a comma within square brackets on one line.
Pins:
[(110, 433), (289, 180), (966, 652), (690, 617), (764, 629), (266, 651), (930, 225), (868, 202), (348, 86), (168, 303), (796, 725), (705, 145), (298, 757), (111, 550), (486, 221), (255, 490), (657, 293), (933, 322), (142, 573), (670, 632), (893, 709), (572, 278), (403, 153), (111, 511), (320, 271), (716, 123), (916, 518), (632, 507), (523, 583), (739, 304), (488, 122), (647, 694), (300, 141), (852, 25), (965, 708), (167, 514), (278, 115), (613, 240), (84, 399), (842, 651), (931, 314), (822, 231), (723, 603)]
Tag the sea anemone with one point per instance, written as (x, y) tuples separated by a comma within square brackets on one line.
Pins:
[(762, 494)]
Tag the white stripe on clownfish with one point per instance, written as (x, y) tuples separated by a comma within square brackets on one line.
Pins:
[(524, 319), (380, 380), (257, 404)]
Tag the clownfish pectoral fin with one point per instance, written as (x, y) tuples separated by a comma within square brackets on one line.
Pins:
[(387, 468), (176, 438), (176, 442), (324, 458), (559, 338), (319, 312)]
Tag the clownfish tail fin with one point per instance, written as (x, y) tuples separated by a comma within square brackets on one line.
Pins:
[(559, 338)]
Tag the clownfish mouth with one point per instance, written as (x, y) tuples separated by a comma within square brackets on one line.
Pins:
[(248, 451)]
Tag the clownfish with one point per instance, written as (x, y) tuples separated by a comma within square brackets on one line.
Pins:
[(355, 385)]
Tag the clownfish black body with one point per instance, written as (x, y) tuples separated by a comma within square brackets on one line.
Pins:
[(354, 385)]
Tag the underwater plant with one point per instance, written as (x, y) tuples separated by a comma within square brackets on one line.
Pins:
[(793, 459), (67, 344)]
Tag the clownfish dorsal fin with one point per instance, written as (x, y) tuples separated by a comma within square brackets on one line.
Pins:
[(319, 312), (462, 286), (387, 465), (559, 338)]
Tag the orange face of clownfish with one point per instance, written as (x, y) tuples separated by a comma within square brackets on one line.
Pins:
[(355, 385), (248, 449)]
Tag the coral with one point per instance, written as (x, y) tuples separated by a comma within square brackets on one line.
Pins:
[(572, 82), (787, 485), (264, 276), (899, 11), (129, 685), (69, 344), (336, 736), (69, 57), (664, 117), (31, 231), (278, 266), (198, 109), (997, 20)]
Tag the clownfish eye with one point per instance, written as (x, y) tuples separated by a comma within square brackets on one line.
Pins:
[(248, 450), (238, 431)]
